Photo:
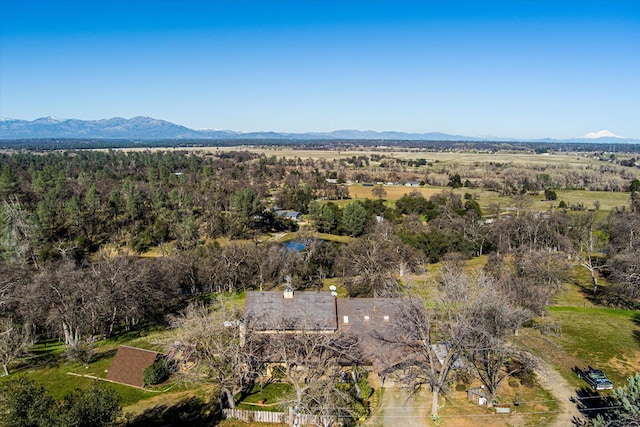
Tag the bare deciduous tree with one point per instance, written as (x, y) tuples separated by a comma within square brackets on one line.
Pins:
[(529, 279), (469, 324), (215, 340), (14, 342), (369, 264), (422, 328), (308, 356), (331, 402), (587, 243), (127, 290), (61, 296), (488, 349), (379, 192), (625, 274)]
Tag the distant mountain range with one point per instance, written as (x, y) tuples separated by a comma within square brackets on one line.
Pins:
[(147, 128)]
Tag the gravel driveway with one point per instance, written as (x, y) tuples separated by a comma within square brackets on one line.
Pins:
[(552, 381), (396, 410)]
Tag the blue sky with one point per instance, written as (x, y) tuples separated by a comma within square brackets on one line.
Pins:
[(528, 69)]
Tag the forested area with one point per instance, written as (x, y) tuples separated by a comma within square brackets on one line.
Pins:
[(96, 243)]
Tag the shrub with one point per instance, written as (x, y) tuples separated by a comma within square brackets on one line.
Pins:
[(82, 352), (527, 378), (365, 389), (278, 372), (156, 373), (25, 402)]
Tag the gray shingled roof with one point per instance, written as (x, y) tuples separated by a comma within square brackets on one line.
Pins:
[(268, 311), (376, 322)]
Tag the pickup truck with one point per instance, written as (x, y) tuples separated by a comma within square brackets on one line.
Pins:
[(595, 378)]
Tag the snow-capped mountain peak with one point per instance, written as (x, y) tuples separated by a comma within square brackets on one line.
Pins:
[(601, 134)]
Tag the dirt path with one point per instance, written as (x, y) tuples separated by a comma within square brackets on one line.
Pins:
[(553, 382), (396, 410)]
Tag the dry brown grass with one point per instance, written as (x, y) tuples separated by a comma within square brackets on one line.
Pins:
[(536, 407), (608, 200), (462, 157), (394, 192), (414, 153)]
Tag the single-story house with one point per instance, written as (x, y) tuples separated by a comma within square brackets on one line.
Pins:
[(374, 321)]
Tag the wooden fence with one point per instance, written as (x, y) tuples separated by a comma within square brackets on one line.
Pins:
[(277, 417), (257, 416)]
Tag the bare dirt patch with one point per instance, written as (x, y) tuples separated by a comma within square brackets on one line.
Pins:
[(552, 381)]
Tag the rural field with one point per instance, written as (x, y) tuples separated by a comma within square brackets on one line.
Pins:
[(143, 239), (608, 200), (454, 156), (570, 161), (470, 162)]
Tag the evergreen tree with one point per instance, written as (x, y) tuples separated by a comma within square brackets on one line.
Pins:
[(354, 218), (25, 403), (625, 401)]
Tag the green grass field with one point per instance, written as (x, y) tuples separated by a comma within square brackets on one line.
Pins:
[(605, 338), (49, 366), (600, 337)]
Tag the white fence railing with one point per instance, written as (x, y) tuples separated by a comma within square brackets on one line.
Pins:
[(257, 416), (278, 417)]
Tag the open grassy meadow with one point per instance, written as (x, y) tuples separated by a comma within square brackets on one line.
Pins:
[(589, 335), (608, 200), (471, 156)]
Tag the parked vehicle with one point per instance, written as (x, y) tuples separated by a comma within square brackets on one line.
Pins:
[(595, 378)]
